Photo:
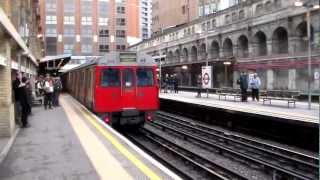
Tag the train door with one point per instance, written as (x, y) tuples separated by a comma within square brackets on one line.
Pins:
[(128, 88), (147, 88)]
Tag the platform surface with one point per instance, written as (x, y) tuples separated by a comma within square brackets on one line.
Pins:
[(68, 143), (276, 109)]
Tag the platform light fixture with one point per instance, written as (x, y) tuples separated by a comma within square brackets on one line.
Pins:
[(184, 67)]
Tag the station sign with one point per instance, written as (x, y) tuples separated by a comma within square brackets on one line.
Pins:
[(206, 76)]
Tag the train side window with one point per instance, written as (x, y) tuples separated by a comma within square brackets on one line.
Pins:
[(128, 78), (110, 78), (145, 77)]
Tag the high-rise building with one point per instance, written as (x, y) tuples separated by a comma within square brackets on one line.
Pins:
[(168, 13), (89, 27), (145, 18)]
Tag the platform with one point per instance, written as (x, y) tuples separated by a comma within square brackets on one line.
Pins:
[(278, 109), (69, 142)]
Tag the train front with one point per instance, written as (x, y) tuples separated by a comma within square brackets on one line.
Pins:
[(127, 91)]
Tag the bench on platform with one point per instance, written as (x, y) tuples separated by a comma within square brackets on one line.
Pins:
[(225, 92), (290, 96)]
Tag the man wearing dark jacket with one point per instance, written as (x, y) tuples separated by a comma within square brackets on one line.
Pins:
[(20, 93), (243, 82)]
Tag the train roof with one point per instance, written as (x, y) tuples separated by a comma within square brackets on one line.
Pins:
[(127, 58)]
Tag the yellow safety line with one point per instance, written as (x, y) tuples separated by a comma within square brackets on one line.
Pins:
[(146, 170)]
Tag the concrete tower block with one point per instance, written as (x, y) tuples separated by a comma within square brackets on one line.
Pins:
[(292, 79), (270, 79)]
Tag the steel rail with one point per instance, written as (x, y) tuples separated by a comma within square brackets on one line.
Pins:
[(242, 155)]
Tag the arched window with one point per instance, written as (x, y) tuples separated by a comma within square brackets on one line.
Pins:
[(260, 44), (227, 48), (241, 14), (280, 41), (243, 47)]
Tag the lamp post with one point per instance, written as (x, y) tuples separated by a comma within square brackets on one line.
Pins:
[(309, 7)]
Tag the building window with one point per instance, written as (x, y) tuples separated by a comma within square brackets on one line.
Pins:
[(103, 21), (86, 20), (69, 6), (184, 9), (68, 20), (241, 14), (121, 22), (51, 6), (68, 48), (86, 48), (87, 32), (227, 19), (51, 32), (69, 31), (121, 10), (86, 7), (104, 33), (51, 19), (121, 33), (121, 47), (104, 48), (214, 23)]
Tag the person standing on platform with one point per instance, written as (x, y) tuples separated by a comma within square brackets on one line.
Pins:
[(243, 82), (57, 90), (166, 83), (20, 93), (175, 84), (48, 88), (255, 84), (199, 85), (28, 89)]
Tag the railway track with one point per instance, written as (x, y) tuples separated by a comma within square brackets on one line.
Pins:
[(209, 169), (278, 161)]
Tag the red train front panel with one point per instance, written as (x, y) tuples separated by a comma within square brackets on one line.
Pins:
[(122, 89)]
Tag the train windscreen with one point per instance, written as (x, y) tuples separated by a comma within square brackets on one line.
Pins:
[(110, 78), (145, 77)]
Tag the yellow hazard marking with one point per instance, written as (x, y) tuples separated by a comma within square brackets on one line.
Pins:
[(145, 169)]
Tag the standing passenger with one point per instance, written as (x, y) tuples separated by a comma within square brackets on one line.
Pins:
[(57, 91), (175, 83), (21, 98), (199, 84), (48, 87), (255, 85), (243, 82)]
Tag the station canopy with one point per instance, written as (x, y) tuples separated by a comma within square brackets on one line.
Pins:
[(52, 64)]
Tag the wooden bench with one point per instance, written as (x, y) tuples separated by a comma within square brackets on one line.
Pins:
[(225, 92), (290, 96)]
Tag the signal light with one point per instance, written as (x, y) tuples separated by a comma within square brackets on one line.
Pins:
[(106, 120), (149, 117)]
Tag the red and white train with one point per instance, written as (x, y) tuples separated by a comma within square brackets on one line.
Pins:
[(121, 87)]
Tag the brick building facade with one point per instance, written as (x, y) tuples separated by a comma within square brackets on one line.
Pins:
[(89, 27)]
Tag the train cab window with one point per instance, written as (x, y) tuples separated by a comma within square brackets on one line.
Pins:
[(145, 77), (110, 78), (128, 78)]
